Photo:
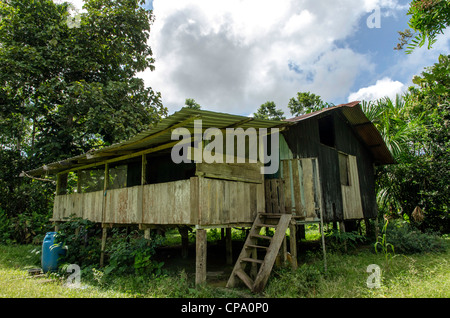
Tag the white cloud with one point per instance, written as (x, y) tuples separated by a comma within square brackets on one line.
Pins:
[(382, 88), (235, 55)]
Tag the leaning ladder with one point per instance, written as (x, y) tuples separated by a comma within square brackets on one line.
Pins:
[(255, 279)]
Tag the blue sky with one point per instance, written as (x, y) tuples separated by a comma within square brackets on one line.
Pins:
[(234, 55)]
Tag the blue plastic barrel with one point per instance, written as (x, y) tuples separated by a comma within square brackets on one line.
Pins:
[(50, 253)]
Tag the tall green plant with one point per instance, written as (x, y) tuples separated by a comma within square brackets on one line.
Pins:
[(386, 248)]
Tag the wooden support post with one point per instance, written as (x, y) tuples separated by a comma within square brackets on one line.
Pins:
[(293, 245), (284, 251), (184, 232), (147, 234), (200, 257), (229, 246), (103, 247)]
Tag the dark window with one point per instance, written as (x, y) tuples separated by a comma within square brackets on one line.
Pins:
[(326, 131)]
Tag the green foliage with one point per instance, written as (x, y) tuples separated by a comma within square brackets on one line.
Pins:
[(383, 244), (415, 129), (409, 240), (306, 102), (82, 240), (268, 111), (67, 88), (304, 282), (428, 18), (191, 103), (342, 241), (5, 232), (133, 255)]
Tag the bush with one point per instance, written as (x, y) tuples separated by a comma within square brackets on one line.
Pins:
[(133, 254), (342, 241), (409, 240)]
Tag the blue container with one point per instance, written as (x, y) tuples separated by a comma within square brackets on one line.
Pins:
[(51, 253)]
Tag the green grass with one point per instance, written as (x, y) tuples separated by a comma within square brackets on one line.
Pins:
[(417, 275)]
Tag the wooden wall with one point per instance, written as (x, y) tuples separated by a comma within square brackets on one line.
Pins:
[(304, 142), (302, 192), (195, 201)]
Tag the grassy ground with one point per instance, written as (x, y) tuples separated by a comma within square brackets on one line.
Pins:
[(417, 275)]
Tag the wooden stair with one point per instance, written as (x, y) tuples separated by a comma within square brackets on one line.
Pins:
[(255, 279)]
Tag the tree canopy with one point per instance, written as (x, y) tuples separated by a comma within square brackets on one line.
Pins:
[(68, 85), (269, 110)]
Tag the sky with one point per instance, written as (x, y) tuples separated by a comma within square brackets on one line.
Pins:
[(234, 55)]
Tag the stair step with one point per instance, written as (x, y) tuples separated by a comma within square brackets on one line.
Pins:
[(252, 260), (245, 278), (271, 215), (271, 251), (261, 236), (256, 246), (266, 225)]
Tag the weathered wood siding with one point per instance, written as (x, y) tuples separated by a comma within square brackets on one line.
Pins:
[(351, 198), (124, 205), (304, 142), (195, 201), (229, 202), (87, 205), (302, 192), (167, 203)]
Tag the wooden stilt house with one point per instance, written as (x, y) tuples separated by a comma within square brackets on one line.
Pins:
[(325, 174)]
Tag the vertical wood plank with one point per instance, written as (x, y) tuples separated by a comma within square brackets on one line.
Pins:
[(309, 189), (194, 200), (294, 165)]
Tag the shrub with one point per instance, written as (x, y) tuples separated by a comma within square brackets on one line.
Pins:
[(82, 240), (341, 241), (409, 240), (133, 254)]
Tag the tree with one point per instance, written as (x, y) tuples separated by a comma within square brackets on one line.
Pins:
[(306, 102), (66, 88), (76, 86), (191, 103), (268, 111), (428, 19), (421, 177)]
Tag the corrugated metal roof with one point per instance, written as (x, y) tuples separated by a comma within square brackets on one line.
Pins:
[(158, 135), (362, 126)]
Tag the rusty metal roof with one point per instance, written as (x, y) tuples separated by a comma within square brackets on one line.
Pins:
[(363, 127)]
